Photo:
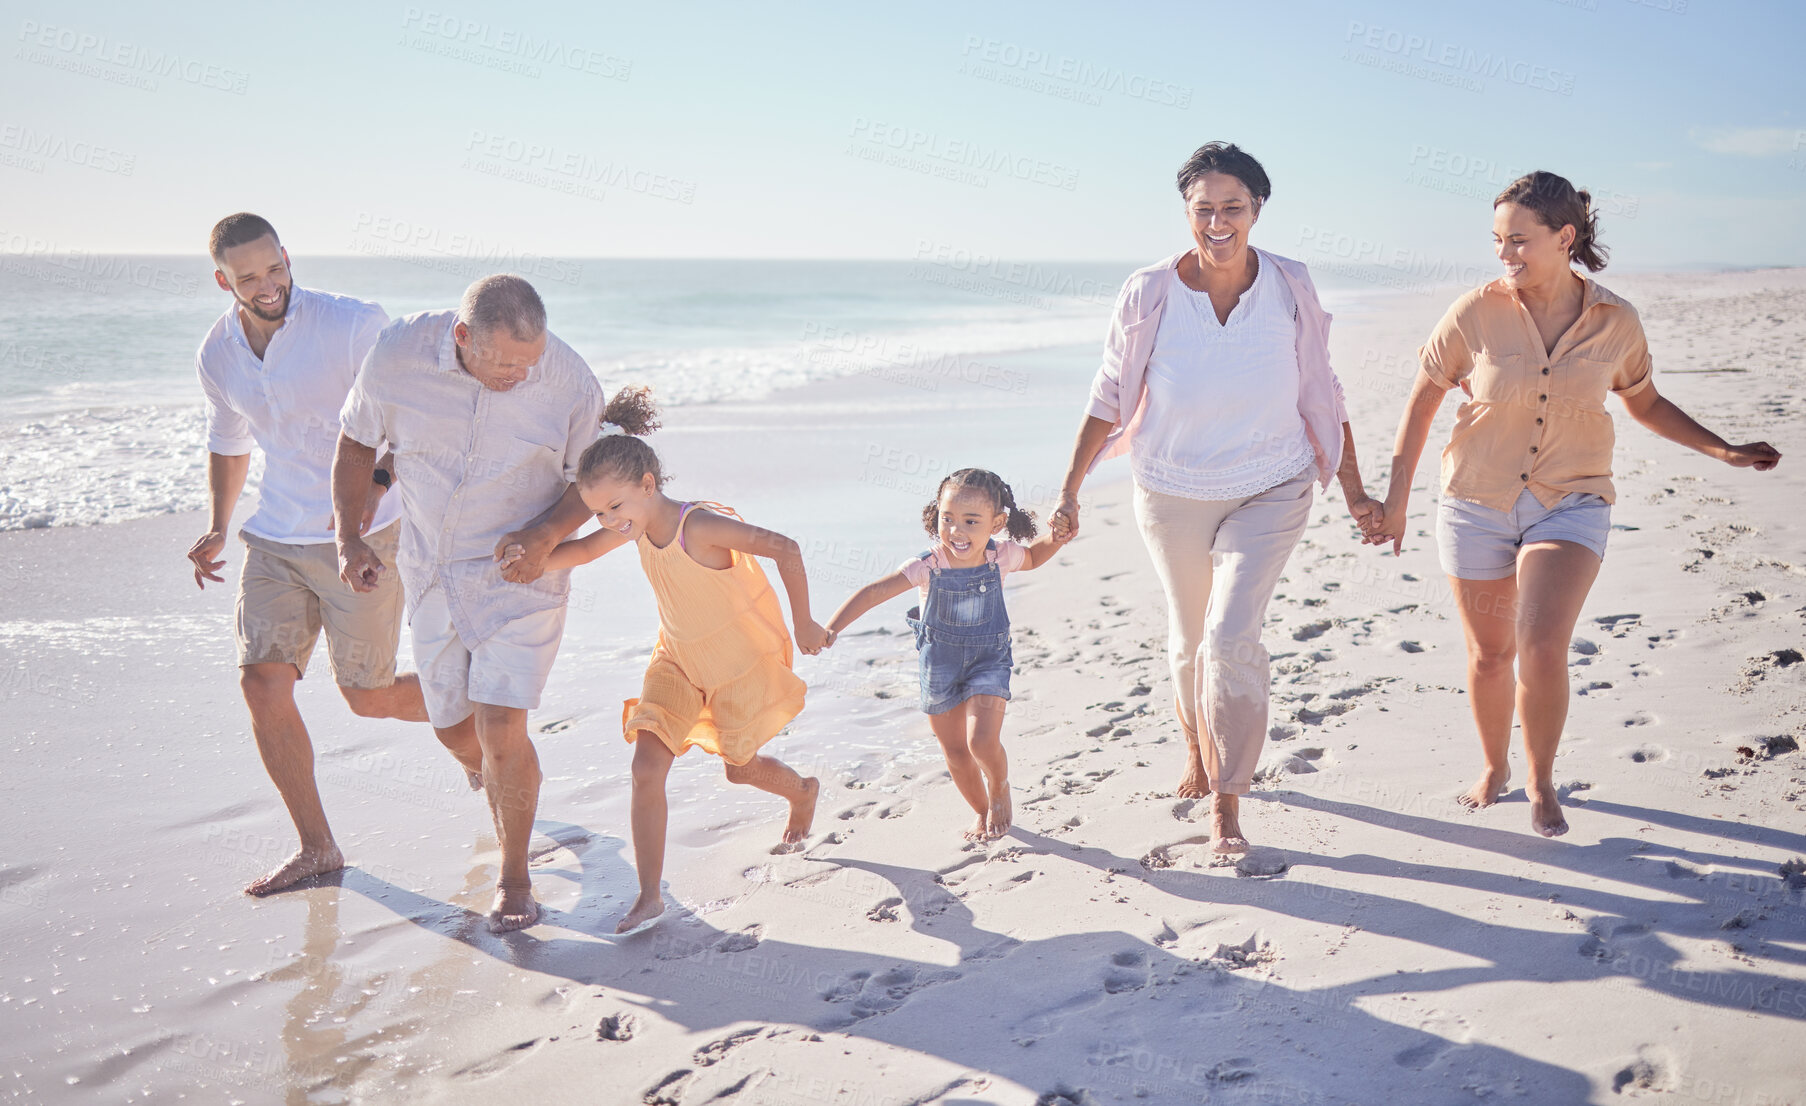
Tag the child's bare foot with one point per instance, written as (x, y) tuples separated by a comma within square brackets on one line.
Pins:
[(645, 908), (977, 830), (1487, 790), (802, 812), (1194, 784), (1545, 811), (305, 864), (998, 819), (514, 909), (1226, 824)]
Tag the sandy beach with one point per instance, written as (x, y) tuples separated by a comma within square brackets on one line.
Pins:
[(1379, 945)]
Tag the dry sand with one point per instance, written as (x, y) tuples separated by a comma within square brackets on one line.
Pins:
[(1380, 945)]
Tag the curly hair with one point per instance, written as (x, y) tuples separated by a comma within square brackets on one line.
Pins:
[(1557, 204), (1021, 524), (624, 456)]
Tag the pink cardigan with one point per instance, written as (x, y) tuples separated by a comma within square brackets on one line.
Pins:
[(1119, 391)]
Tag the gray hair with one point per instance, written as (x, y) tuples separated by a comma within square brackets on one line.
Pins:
[(503, 300)]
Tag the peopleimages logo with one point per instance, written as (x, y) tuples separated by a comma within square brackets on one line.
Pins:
[(130, 63), (1457, 59), (450, 30), (962, 152)]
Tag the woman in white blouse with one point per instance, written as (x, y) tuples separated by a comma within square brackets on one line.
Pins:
[(1216, 381)]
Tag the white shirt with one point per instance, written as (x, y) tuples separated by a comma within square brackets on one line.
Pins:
[(472, 464), (1222, 417), (287, 404)]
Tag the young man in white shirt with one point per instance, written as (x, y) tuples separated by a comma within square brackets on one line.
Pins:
[(275, 369)]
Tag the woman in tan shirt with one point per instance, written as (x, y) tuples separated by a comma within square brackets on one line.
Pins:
[(1526, 476)]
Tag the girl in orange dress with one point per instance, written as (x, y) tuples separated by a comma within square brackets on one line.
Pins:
[(720, 678)]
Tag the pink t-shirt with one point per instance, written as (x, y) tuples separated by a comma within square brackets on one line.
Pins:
[(1008, 557)]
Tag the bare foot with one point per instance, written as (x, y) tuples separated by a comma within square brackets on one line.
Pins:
[(305, 864), (977, 830), (1487, 790), (645, 908), (802, 812), (1545, 811), (513, 909), (475, 779), (998, 819), (1194, 784), (1226, 824)]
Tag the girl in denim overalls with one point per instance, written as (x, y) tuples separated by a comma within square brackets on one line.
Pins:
[(963, 631)]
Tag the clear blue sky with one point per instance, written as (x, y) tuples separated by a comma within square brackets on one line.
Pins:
[(772, 130)]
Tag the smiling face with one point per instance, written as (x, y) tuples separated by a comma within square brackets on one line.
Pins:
[(1222, 212), (966, 517), (257, 275), (621, 505), (497, 358), (1533, 255)]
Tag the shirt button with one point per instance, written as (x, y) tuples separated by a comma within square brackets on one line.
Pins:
[(1545, 372), (1539, 422), (1542, 398), (1533, 449), (1524, 476)]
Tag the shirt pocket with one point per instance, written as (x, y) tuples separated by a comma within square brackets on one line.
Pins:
[(534, 464), (1502, 379), (1584, 383)]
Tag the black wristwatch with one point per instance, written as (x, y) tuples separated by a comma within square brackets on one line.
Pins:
[(383, 477)]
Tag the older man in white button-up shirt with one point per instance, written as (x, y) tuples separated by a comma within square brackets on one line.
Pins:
[(275, 370), (487, 413)]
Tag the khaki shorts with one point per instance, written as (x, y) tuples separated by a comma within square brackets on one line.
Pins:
[(289, 592), (509, 669)]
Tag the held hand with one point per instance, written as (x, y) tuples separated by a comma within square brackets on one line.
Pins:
[(522, 556), (1757, 455), (1369, 515), (1065, 520), (359, 566), (202, 554), (811, 638), (1389, 528)]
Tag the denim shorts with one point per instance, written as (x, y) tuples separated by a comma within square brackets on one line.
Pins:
[(1482, 543), (953, 672)]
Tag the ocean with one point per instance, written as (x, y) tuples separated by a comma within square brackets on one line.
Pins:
[(101, 418)]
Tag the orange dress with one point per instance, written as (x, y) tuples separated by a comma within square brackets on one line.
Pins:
[(720, 677)]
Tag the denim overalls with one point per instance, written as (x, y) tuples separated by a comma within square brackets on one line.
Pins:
[(964, 636)]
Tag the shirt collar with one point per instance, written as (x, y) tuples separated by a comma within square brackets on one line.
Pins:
[(297, 297), (1591, 292), (448, 347)]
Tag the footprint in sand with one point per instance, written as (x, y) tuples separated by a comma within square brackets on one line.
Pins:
[(1192, 852), (858, 811), (713, 1052), (1650, 1071), (1128, 972), (1618, 625), (1639, 718), (868, 994), (617, 1027), (1757, 669), (669, 1091), (898, 809), (1647, 754), (1312, 630), (885, 911)]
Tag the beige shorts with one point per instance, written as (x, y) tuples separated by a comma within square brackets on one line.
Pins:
[(507, 670), (289, 592)]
